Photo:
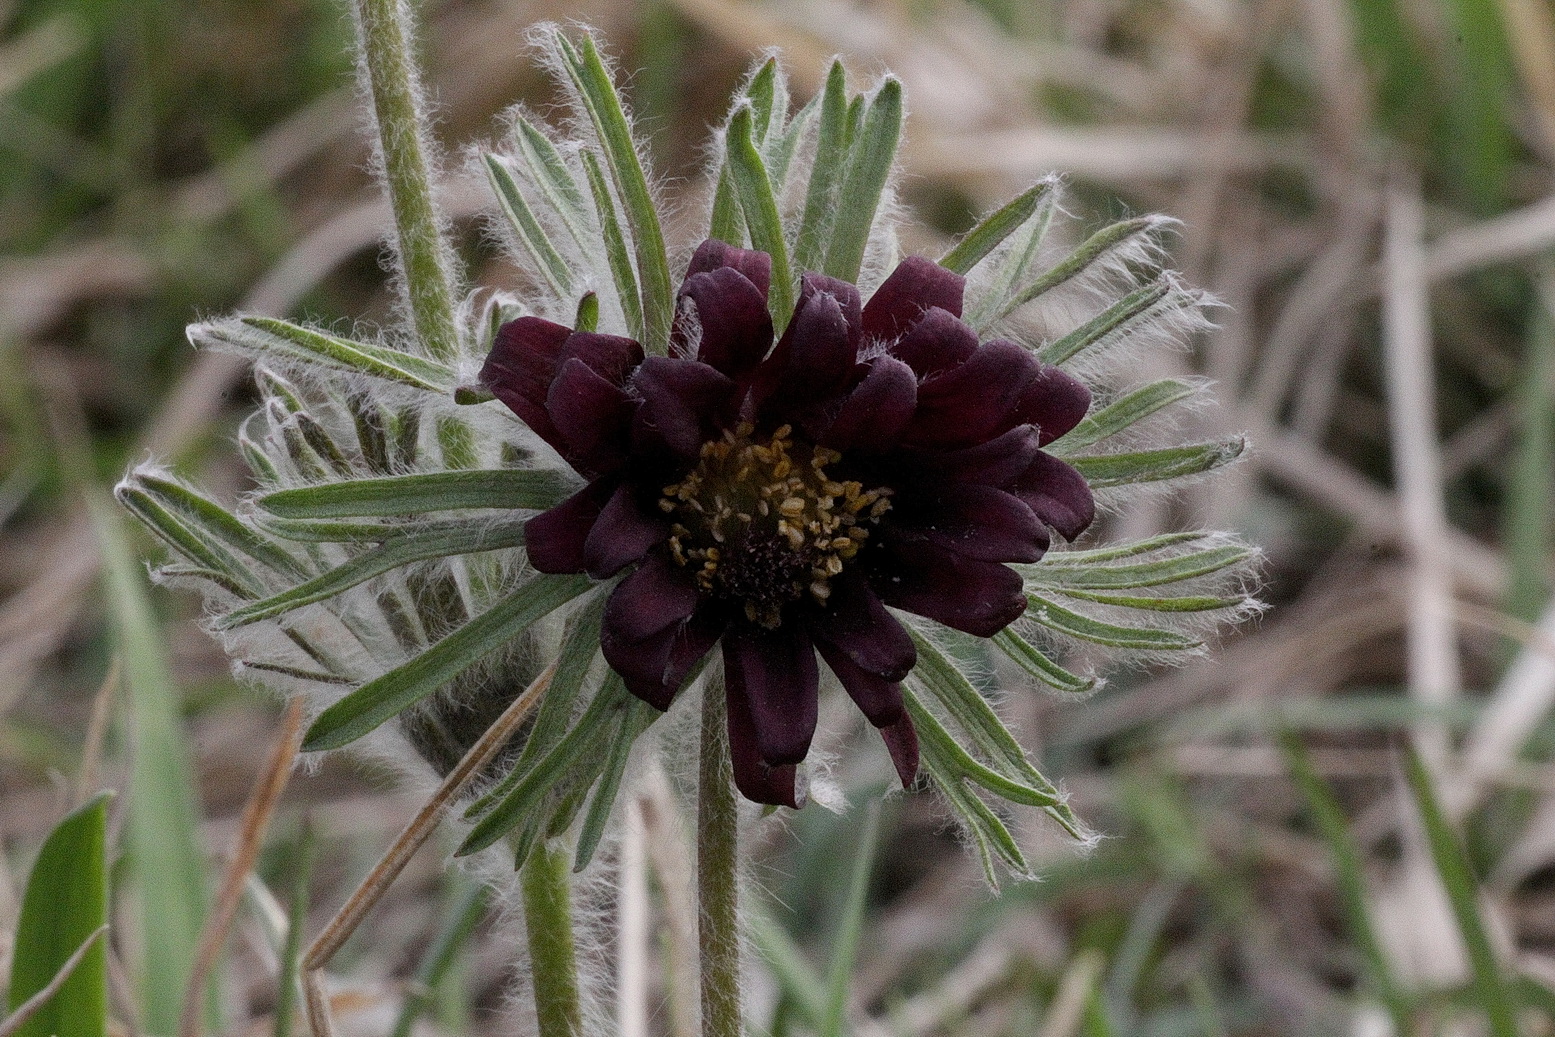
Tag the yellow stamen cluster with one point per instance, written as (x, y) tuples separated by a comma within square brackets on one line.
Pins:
[(762, 523)]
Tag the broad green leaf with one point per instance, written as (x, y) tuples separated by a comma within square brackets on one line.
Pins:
[(1132, 307), (531, 235), (415, 494), (1103, 470), (617, 255), (830, 159), (598, 93), (1141, 639), (873, 154), (162, 813), (412, 545), (1153, 573), (382, 698), (268, 336), (65, 903), (992, 232), (1123, 413), (1093, 249), (760, 207), (1036, 663), (1452, 866)]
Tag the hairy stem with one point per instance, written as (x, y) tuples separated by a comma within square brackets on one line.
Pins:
[(553, 961), (424, 255), (717, 845)]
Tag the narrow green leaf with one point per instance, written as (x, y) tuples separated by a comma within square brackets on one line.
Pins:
[(759, 204), (1140, 639), (1180, 603), (192, 542), (268, 336), (65, 903), (1037, 664), (413, 545), (1353, 895), (1103, 470), (213, 520), (1123, 413), (547, 260), (962, 763), (617, 255), (382, 698), (762, 93), (162, 816), (1112, 320), (1140, 574), (579, 648), (850, 927), (1099, 245), (830, 159), (1131, 549), (415, 494), (549, 171), (587, 316), (1452, 865), (873, 155), (635, 718), (598, 92), (728, 222), (996, 227)]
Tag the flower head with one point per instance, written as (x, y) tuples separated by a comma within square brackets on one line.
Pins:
[(782, 499)]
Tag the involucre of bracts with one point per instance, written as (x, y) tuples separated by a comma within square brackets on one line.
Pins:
[(813, 450)]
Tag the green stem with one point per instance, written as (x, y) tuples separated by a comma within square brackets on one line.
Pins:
[(553, 961), (717, 845), (424, 255)]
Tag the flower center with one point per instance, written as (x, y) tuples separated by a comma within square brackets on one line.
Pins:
[(762, 523)]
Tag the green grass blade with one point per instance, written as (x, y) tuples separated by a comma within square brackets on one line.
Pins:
[(162, 820), (410, 546), (1531, 483), (617, 255), (415, 494), (1353, 895), (759, 204), (1139, 639), (850, 927), (1103, 470), (795, 976), (830, 159), (438, 962), (996, 227), (873, 155), (289, 980), (65, 903), (547, 260), (382, 698), (1452, 865), (592, 81), (1123, 413)]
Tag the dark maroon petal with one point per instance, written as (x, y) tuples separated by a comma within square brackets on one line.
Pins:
[(777, 786), (776, 674), (654, 633), (845, 292), (713, 254), (623, 533), (978, 598), (975, 401), (554, 539), (811, 363), (878, 699), (612, 357), (520, 367), (997, 462), (937, 342), (876, 412), (1054, 402), (685, 403), (1058, 494), (855, 621), (914, 286), (592, 415), (901, 741), (975, 520), (727, 316)]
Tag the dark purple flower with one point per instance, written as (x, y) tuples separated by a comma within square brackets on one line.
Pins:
[(782, 499)]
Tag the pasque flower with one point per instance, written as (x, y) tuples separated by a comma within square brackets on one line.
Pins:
[(780, 500)]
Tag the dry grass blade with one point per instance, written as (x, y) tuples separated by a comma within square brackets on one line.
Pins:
[(1074, 990), (421, 827), (30, 1007), (251, 834), (97, 732)]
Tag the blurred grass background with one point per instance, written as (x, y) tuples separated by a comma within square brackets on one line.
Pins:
[(1367, 186)]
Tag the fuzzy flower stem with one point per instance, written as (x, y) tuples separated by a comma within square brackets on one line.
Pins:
[(548, 918), (424, 255), (717, 846)]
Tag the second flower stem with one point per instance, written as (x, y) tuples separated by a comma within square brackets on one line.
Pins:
[(553, 958), (717, 874)]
